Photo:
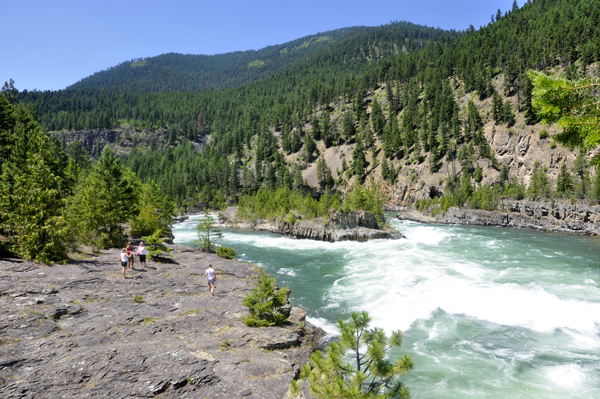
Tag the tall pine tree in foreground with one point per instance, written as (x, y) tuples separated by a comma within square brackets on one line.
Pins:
[(32, 203)]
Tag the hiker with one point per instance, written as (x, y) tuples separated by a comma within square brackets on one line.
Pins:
[(130, 258), (124, 259), (210, 278), (141, 252)]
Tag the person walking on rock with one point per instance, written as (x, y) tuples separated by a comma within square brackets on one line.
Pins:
[(210, 278), (124, 259), (141, 252)]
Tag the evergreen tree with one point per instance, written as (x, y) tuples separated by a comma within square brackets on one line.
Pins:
[(348, 126), (324, 177), (385, 168), (309, 148), (359, 160), (32, 205), (508, 116), (564, 182), (478, 174), (539, 186), (581, 170), (497, 107), (357, 366), (377, 119), (105, 200), (207, 233)]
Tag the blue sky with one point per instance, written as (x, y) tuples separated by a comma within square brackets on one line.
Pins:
[(48, 45)]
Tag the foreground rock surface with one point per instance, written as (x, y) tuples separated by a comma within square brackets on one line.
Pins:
[(565, 218), (74, 331), (341, 226)]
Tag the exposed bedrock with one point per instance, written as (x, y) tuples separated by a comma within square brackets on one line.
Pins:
[(74, 331), (560, 217)]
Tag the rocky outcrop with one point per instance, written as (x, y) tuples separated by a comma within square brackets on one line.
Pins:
[(75, 331), (561, 217), (339, 226)]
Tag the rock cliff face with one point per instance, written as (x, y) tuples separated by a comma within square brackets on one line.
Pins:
[(341, 226), (74, 331), (579, 219)]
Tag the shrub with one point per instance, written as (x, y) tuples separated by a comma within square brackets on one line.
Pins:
[(543, 134), (226, 252), (265, 303), (138, 299), (156, 246)]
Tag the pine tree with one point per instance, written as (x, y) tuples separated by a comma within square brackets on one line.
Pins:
[(377, 119), (207, 233), (385, 168), (358, 365), (496, 107), (309, 148), (508, 116), (564, 182), (348, 126), (478, 174), (105, 200)]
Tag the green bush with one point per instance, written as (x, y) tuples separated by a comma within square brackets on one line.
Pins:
[(265, 303), (156, 246), (138, 299), (543, 134), (226, 252)]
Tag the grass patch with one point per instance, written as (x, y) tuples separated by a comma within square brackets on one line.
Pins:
[(138, 299), (191, 312), (225, 344), (149, 320)]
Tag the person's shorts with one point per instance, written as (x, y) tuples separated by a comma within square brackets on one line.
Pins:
[(124, 264), (210, 281), (142, 258)]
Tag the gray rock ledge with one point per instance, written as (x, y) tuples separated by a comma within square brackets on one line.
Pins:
[(562, 217), (73, 331)]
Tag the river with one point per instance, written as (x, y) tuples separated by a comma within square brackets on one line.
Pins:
[(487, 312)]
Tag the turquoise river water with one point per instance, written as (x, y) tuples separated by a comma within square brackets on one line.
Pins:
[(487, 312)]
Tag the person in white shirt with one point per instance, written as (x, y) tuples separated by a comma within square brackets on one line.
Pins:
[(210, 278), (141, 252), (124, 259)]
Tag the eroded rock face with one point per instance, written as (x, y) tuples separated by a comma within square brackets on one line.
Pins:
[(75, 331), (566, 218), (340, 226)]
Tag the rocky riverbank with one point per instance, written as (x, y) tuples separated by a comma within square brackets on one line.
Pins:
[(565, 218), (340, 226), (75, 330)]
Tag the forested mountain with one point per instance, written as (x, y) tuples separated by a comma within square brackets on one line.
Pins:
[(352, 47), (404, 110)]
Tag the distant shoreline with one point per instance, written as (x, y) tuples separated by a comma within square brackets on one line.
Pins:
[(572, 219)]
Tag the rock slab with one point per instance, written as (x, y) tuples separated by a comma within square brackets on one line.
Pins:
[(74, 331)]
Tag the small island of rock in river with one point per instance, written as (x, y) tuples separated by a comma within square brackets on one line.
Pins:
[(339, 226)]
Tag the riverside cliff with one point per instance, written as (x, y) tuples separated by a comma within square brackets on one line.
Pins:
[(75, 331), (340, 226), (565, 218)]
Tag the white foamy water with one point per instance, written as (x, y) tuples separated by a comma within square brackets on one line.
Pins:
[(486, 312)]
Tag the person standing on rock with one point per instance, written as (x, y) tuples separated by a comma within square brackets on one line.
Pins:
[(130, 258), (141, 252), (210, 278), (124, 259)]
